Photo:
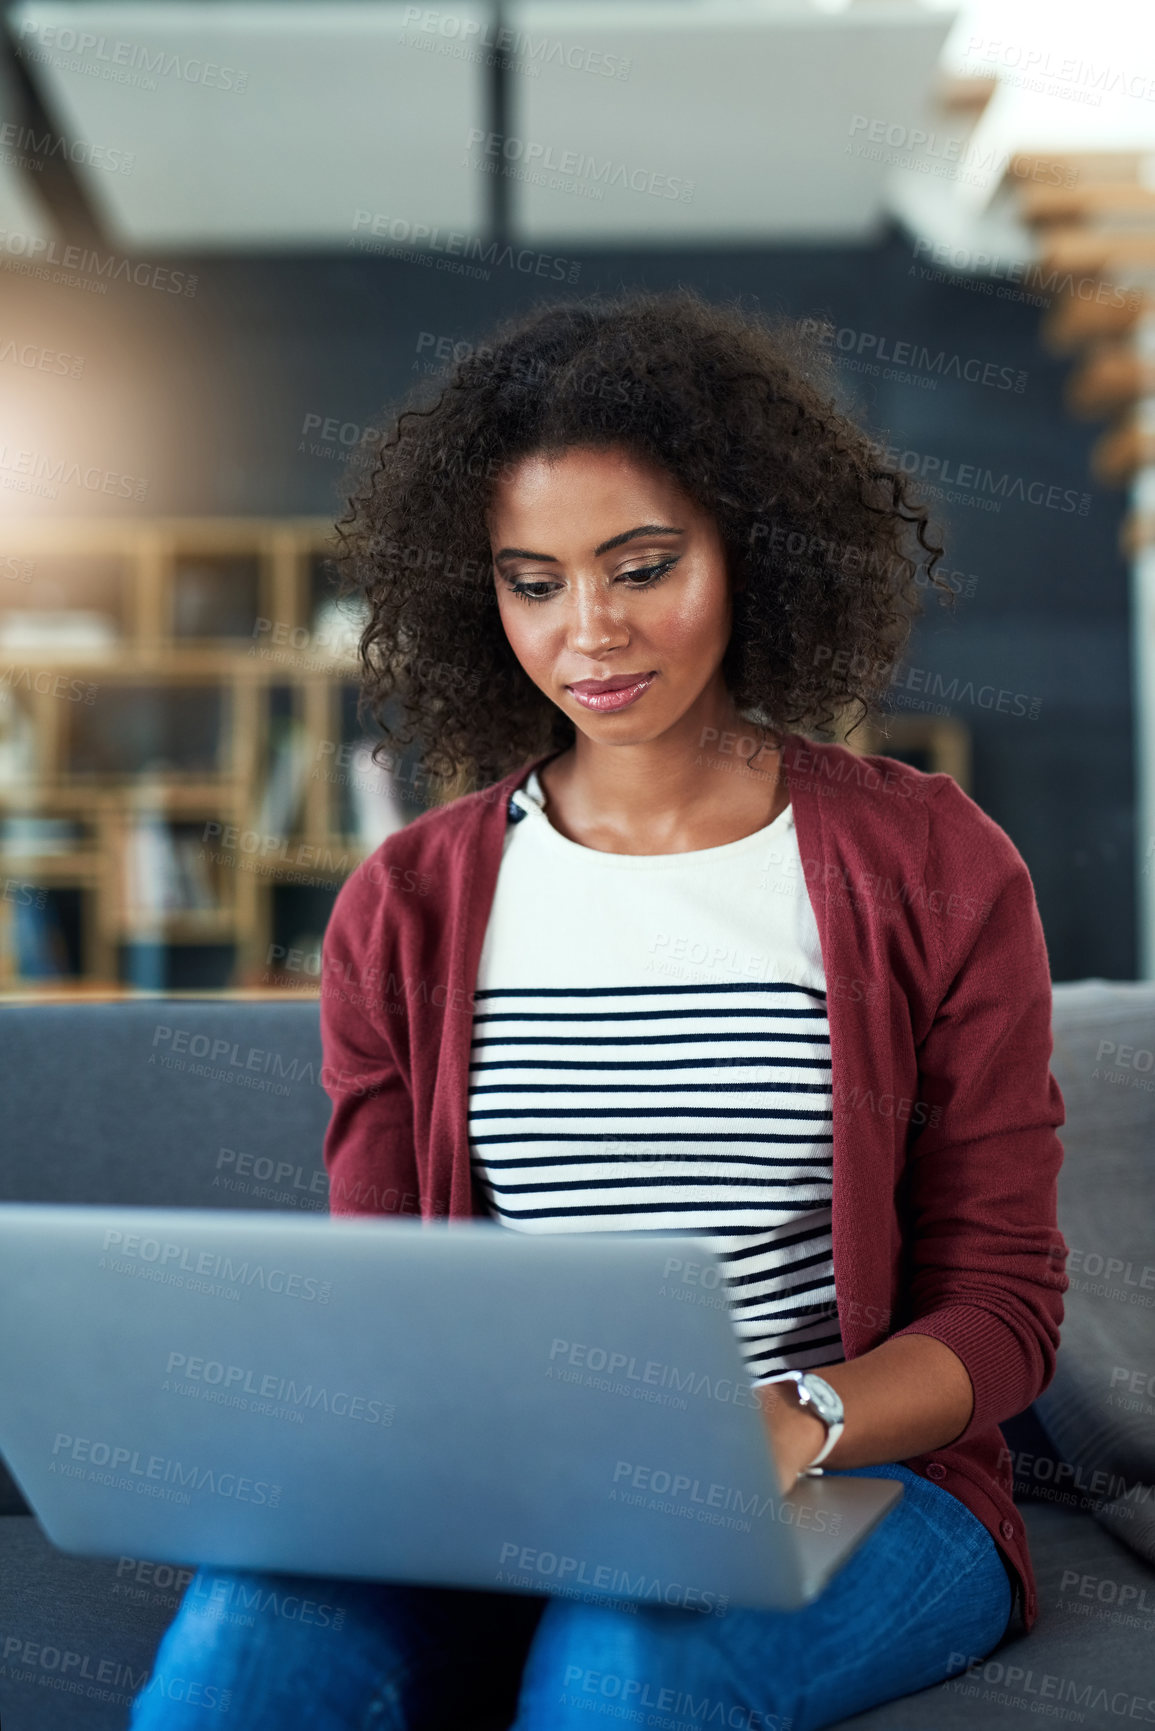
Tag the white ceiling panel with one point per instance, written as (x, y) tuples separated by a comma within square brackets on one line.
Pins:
[(649, 122), (267, 126), (24, 225), (733, 121)]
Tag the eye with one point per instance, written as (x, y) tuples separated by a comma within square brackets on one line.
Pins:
[(652, 574)]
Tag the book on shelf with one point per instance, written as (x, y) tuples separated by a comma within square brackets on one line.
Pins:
[(338, 624), (166, 873), (376, 803), (290, 757), (22, 836), (71, 628), (196, 882), (33, 945), (150, 867), (17, 741)]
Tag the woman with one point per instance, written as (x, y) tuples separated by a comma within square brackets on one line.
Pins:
[(674, 966)]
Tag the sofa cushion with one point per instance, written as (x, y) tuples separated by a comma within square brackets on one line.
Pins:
[(75, 1645), (167, 1103), (173, 1103), (1098, 1410), (1089, 1652)]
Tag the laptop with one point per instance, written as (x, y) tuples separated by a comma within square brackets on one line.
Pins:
[(452, 1405)]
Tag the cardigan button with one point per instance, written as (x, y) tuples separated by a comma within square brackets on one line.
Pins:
[(1007, 1529), (936, 1470)]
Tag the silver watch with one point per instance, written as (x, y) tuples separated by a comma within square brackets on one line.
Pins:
[(825, 1402)]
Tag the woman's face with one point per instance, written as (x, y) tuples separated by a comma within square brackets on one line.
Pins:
[(627, 582)]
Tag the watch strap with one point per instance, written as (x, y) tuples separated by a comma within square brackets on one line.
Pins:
[(833, 1429), (833, 1432)]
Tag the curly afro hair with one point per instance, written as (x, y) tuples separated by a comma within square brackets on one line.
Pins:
[(740, 412)]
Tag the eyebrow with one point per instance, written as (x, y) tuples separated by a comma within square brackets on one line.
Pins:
[(606, 546)]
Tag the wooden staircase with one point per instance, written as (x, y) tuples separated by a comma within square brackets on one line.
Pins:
[(1096, 239)]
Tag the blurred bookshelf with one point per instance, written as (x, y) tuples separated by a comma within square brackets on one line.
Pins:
[(938, 745), (183, 783)]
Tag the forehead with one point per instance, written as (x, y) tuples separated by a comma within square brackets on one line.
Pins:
[(580, 484)]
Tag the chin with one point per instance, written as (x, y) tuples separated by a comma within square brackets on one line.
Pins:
[(621, 732)]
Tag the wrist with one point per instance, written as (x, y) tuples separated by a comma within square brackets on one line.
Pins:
[(806, 1435), (796, 1434), (812, 1396)]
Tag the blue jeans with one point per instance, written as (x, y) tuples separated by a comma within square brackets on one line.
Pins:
[(925, 1594)]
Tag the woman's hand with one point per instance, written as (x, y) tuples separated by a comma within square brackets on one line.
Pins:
[(796, 1435)]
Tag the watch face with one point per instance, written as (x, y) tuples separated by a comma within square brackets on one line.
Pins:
[(827, 1402)]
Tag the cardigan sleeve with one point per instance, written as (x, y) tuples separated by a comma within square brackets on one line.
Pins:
[(369, 1143), (987, 1257)]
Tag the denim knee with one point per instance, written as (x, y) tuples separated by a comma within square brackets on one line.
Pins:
[(233, 1632)]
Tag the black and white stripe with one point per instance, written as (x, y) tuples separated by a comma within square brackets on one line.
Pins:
[(697, 1108)]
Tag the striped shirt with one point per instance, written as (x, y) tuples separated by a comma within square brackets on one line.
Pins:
[(650, 1051)]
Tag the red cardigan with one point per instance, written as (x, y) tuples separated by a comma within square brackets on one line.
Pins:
[(944, 1112)]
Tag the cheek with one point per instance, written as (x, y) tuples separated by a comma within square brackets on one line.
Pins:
[(527, 634), (693, 622)]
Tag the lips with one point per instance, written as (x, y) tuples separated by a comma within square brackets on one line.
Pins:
[(620, 682), (604, 696)]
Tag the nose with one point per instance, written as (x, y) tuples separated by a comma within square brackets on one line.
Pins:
[(596, 623)]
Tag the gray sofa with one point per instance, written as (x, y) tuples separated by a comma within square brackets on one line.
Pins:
[(151, 1101)]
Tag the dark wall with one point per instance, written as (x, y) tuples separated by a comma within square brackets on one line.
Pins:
[(209, 397)]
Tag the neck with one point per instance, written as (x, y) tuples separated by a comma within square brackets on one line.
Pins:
[(724, 769)]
